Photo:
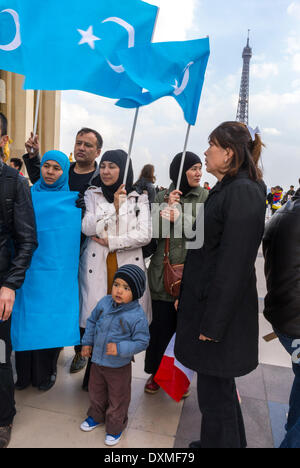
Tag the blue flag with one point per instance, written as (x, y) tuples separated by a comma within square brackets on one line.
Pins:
[(168, 69), (11, 58), (46, 310), (70, 44)]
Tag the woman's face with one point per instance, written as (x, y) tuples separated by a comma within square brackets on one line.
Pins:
[(109, 173), (194, 175), (217, 160), (51, 172)]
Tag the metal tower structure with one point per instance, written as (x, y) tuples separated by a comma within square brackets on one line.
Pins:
[(243, 107)]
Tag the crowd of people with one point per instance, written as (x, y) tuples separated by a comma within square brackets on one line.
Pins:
[(277, 197), (135, 276)]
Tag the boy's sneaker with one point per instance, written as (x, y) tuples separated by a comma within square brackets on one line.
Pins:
[(111, 439), (89, 425)]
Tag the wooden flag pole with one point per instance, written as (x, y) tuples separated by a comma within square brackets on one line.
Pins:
[(183, 157), (36, 118)]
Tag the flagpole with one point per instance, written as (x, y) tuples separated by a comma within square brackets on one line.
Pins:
[(136, 117), (36, 118), (131, 145), (183, 157)]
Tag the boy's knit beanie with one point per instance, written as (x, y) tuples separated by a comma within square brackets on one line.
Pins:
[(135, 278)]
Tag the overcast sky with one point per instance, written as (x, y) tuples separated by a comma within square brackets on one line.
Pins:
[(274, 88)]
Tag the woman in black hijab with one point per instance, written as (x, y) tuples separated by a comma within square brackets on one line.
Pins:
[(117, 223), (112, 165), (176, 202)]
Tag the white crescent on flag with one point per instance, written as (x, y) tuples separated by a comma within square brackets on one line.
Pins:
[(17, 39), (131, 39), (180, 89)]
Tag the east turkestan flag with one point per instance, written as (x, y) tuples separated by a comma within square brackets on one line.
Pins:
[(72, 44), (11, 58), (174, 69)]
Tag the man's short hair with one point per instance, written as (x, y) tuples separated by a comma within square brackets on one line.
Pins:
[(85, 130), (17, 162), (3, 125)]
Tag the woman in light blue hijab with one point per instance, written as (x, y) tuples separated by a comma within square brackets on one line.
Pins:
[(39, 368), (55, 167)]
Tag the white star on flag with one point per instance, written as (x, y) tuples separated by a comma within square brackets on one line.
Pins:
[(88, 37)]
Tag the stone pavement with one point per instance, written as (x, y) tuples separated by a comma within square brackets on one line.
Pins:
[(52, 419)]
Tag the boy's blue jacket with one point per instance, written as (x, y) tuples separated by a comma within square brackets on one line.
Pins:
[(126, 325)]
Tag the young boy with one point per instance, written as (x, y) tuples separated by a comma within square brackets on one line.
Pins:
[(115, 332)]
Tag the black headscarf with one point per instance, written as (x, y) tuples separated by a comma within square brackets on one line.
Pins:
[(190, 160), (118, 157)]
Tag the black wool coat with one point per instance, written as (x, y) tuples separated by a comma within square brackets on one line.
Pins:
[(281, 245), (219, 295)]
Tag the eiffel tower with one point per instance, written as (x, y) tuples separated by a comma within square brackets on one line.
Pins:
[(243, 107)]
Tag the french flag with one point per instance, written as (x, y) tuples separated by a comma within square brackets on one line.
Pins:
[(172, 376)]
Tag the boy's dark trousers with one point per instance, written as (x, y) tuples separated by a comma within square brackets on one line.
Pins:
[(7, 402), (110, 394)]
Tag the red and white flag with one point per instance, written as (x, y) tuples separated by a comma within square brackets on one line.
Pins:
[(172, 376)]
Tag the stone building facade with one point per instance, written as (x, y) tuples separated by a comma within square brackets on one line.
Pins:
[(19, 107)]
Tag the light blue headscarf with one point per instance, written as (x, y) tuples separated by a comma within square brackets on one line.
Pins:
[(62, 184)]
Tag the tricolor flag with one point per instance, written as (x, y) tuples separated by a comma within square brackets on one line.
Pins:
[(173, 377)]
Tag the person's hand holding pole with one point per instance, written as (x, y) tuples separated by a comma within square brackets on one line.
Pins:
[(120, 197), (32, 145)]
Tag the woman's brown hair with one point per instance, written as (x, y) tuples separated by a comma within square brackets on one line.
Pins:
[(148, 173), (247, 153)]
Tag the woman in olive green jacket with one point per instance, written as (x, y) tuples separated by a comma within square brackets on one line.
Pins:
[(177, 211)]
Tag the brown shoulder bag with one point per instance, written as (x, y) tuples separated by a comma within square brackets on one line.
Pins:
[(172, 273)]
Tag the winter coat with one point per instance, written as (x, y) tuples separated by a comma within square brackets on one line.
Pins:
[(126, 325), (144, 185), (134, 230), (18, 239), (281, 245), (219, 296), (177, 245)]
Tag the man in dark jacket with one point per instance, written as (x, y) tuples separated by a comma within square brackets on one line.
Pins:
[(17, 244), (289, 195), (281, 246), (83, 173)]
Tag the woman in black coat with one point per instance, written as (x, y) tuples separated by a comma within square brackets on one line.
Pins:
[(217, 332)]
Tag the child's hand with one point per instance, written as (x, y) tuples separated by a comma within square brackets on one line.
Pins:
[(111, 349), (86, 351)]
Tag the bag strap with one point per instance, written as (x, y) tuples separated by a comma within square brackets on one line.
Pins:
[(167, 247)]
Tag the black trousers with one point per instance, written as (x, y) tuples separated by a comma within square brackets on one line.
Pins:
[(36, 367), (7, 389), (78, 348), (222, 419), (162, 329)]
